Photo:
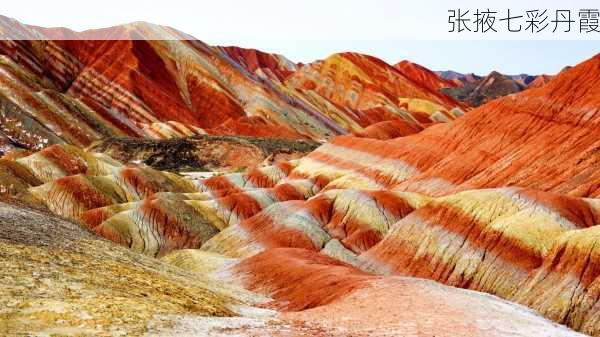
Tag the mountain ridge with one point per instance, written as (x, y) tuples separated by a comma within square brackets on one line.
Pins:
[(87, 89), (408, 216)]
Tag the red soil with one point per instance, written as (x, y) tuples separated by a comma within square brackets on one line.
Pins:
[(285, 274), (389, 129)]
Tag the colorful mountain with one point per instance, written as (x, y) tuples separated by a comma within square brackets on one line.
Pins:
[(272, 66), (147, 81), (426, 77), (103, 289), (503, 201), (405, 217), (373, 90)]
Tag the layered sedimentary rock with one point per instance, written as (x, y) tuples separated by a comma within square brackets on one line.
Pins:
[(147, 81), (426, 77), (271, 228), (372, 88), (163, 89), (135, 86), (531, 243), (19, 173), (502, 200), (166, 221), (519, 141), (15, 179), (486, 240), (565, 287), (271, 66), (57, 278), (72, 195)]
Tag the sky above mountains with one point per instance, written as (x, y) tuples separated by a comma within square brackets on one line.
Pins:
[(308, 30)]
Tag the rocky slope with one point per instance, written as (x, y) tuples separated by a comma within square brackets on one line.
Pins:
[(260, 231), (59, 279), (426, 77), (374, 90), (540, 81), (503, 200), (148, 81), (371, 233)]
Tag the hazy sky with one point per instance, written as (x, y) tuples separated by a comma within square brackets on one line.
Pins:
[(305, 30)]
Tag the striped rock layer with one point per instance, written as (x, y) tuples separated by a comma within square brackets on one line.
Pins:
[(281, 234), (425, 76), (503, 201), (58, 278), (156, 82), (106, 290)]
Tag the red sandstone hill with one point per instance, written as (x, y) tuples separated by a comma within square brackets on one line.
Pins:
[(503, 200), (374, 90), (269, 65), (426, 77), (540, 81), (143, 80)]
